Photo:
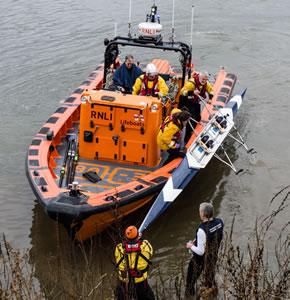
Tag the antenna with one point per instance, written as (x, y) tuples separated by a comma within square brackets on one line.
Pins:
[(129, 23), (172, 32), (192, 15)]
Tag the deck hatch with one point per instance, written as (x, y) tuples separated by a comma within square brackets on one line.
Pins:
[(40, 181), (44, 130), (124, 193), (87, 82), (134, 151), (107, 148), (34, 162), (70, 99), (225, 90), (108, 98), (93, 74), (231, 76), (61, 110), (228, 83), (52, 120), (221, 99), (33, 152), (78, 91), (159, 179), (36, 142)]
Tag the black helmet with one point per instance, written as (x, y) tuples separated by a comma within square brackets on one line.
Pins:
[(184, 115)]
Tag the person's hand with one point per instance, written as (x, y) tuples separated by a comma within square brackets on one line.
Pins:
[(196, 92), (189, 245), (122, 90), (160, 95), (208, 101), (177, 146)]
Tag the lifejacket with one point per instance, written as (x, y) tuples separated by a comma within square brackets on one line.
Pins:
[(168, 120), (214, 234), (130, 247), (202, 90), (145, 91)]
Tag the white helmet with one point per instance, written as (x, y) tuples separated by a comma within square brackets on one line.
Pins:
[(151, 69)]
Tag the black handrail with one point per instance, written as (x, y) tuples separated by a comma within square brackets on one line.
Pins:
[(112, 51)]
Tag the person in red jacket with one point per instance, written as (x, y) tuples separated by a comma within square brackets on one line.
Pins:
[(196, 86)]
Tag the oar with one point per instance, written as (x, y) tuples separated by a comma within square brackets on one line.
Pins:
[(62, 171), (75, 162), (69, 164)]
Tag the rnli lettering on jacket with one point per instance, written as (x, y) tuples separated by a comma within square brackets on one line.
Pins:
[(214, 233)]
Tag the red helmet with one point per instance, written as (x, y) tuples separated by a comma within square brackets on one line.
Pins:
[(131, 232)]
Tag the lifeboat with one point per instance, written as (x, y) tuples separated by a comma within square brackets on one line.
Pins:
[(96, 158)]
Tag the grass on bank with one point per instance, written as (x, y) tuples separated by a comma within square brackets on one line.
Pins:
[(240, 273)]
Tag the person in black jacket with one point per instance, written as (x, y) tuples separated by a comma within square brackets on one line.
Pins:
[(204, 249)]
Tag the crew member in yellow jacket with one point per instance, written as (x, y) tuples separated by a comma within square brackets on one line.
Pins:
[(133, 260), (195, 87), (150, 84), (170, 133)]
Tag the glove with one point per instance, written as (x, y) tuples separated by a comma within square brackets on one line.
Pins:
[(210, 96), (177, 146), (190, 93)]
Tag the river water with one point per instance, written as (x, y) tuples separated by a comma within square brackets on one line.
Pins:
[(49, 47)]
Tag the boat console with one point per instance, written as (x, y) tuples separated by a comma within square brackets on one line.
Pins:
[(120, 128)]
